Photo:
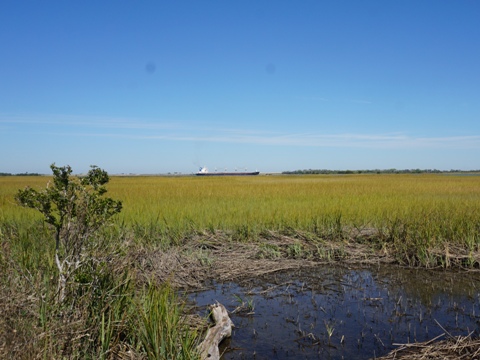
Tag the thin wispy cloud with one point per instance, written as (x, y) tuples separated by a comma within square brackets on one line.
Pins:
[(191, 132), (377, 141)]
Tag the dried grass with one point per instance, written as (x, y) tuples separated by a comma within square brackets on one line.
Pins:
[(206, 257), (215, 256), (454, 348)]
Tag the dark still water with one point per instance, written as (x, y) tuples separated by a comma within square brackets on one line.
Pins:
[(342, 313)]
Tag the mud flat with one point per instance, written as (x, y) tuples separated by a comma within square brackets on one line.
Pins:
[(337, 312)]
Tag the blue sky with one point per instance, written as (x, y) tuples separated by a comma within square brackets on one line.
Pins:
[(157, 86)]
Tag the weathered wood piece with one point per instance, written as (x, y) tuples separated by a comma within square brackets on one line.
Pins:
[(208, 349)]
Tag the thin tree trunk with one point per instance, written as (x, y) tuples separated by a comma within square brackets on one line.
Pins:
[(62, 279)]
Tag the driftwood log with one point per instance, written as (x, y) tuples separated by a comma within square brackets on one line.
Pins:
[(208, 348)]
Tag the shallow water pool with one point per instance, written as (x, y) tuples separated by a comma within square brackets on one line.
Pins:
[(343, 313)]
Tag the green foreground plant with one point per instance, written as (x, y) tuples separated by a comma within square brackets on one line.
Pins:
[(162, 330), (76, 210), (106, 318)]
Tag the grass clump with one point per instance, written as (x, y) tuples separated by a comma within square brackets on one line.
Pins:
[(108, 316), (162, 331)]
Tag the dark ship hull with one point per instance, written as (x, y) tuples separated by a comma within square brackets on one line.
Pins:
[(237, 173), (204, 172)]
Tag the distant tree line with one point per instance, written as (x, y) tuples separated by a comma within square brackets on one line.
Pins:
[(20, 174), (375, 171)]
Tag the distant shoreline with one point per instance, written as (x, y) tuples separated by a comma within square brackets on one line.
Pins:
[(294, 172)]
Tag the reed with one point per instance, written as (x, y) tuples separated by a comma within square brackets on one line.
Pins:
[(299, 201), (410, 212), (419, 209), (162, 331)]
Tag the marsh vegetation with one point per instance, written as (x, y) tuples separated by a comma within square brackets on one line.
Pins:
[(177, 233)]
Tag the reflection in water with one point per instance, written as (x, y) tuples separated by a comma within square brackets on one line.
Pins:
[(337, 312)]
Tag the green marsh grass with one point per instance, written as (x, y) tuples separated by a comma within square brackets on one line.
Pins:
[(107, 315), (410, 213), (163, 333), (415, 210), (292, 201)]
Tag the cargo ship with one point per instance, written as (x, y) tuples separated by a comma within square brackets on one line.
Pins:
[(203, 171)]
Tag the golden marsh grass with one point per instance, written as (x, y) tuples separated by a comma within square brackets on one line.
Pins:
[(273, 200), (441, 207), (276, 202)]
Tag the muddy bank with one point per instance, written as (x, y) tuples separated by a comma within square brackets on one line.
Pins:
[(217, 257)]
